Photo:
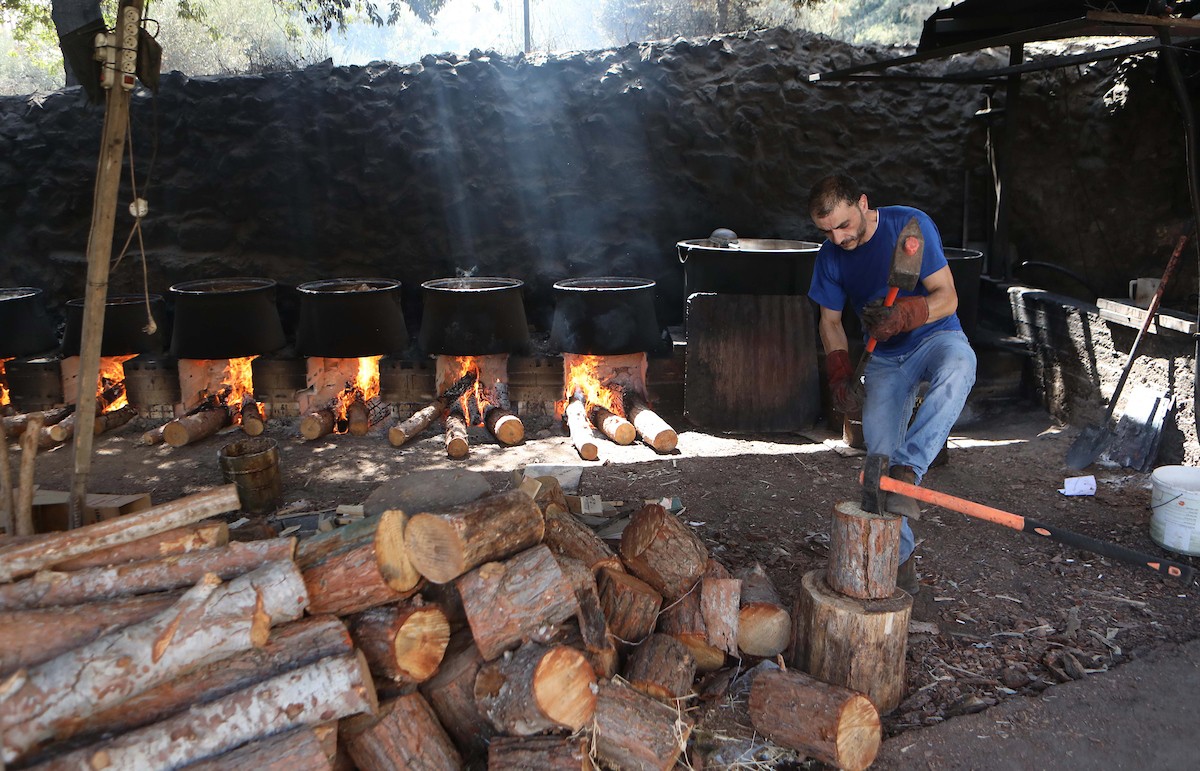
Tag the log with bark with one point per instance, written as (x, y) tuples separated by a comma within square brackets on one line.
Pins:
[(654, 431), (107, 421), (659, 549), (337, 686), (633, 730), (764, 624), (567, 536), (14, 425), (550, 497), (405, 430), (404, 735), (615, 427), (581, 432), (859, 644), (505, 426), (720, 603), (403, 642), (537, 689), (509, 602), (296, 750), (451, 693), (252, 419), (210, 622), (210, 534), (864, 552), (457, 446), (25, 483), (51, 588), (153, 436), (684, 620), (832, 724), (662, 668), (544, 753), (359, 566), (445, 545), (630, 605), (193, 428), (23, 559), (596, 641), (318, 423)]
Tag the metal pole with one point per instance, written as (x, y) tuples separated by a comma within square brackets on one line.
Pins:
[(528, 39), (1001, 240)]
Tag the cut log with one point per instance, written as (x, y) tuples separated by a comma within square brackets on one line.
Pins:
[(445, 545), (362, 574), (457, 446), (49, 589), (662, 668), (296, 750), (451, 693), (25, 483), (551, 495), (720, 602), (684, 620), (567, 536), (193, 428), (859, 644), (405, 430), (210, 622), (107, 421), (605, 659), (505, 426), (30, 637), (764, 625), (23, 559), (864, 552), (633, 731), (153, 436), (593, 627), (581, 432), (544, 753), (385, 530), (536, 689), (252, 419), (509, 602), (14, 425), (832, 724), (404, 642), (60, 432), (288, 647), (615, 427), (358, 418), (630, 604), (333, 687), (210, 534), (659, 549), (318, 423), (405, 735), (654, 431)]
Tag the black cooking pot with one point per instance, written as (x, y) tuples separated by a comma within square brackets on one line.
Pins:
[(225, 318), (25, 327), (473, 316), (747, 266), (124, 326), (345, 318), (966, 266), (604, 316)]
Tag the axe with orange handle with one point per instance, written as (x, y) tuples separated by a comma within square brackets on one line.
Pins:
[(875, 479)]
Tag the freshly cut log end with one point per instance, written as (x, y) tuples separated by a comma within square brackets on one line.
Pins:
[(443, 546), (392, 554), (505, 426), (764, 624), (662, 551), (457, 446), (630, 604), (563, 685), (615, 427), (435, 548), (662, 668), (537, 689), (864, 552), (402, 643), (317, 424)]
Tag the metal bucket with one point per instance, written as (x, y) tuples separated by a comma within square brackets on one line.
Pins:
[(253, 465)]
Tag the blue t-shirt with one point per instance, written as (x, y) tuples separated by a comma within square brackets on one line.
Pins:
[(856, 277)]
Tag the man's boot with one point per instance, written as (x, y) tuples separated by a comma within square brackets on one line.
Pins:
[(907, 578), (902, 504)]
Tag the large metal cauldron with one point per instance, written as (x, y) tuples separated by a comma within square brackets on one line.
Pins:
[(473, 316), (225, 318), (966, 266), (747, 266), (25, 327), (350, 317), (604, 316), (124, 326)]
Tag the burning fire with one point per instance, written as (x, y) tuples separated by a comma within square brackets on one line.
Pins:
[(3, 383), (364, 388), (582, 378), (112, 378), (475, 402)]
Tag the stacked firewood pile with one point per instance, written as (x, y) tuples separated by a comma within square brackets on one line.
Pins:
[(499, 631)]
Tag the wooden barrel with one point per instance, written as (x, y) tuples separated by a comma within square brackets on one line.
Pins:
[(253, 466)]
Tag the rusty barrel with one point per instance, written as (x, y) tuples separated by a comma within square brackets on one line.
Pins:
[(253, 465)]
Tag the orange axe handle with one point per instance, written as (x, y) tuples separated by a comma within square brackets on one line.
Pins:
[(888, 302), (1027, 525)]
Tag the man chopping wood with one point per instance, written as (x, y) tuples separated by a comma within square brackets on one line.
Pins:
[(888, 266)]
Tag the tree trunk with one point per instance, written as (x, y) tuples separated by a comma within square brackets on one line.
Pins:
[(210, 622), (406, 734), (457, 446), (633, 731), (567, 536), (764, 625), (834, 725), (544, 753), (508, 602), (662, 668), (864, 552), (23, 559), (193, 428), (662, 551), (211, 534), (25, 483), (615, 427), (537, 689), (296, 750), (402, 432), (582, 435), (451, 693), (654, 430), (630, 604), (404, 642), (49, 589), (505, 426), (445, 545), (859, 644), (333, 687)]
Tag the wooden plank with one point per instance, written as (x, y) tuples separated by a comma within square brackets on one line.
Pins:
[(751, 363), (1127, 314)]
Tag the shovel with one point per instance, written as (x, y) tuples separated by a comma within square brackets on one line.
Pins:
[(1094, 438)]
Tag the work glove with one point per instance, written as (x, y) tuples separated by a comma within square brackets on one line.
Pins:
[(905, 315), (847, 397)]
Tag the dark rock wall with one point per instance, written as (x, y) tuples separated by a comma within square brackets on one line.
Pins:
[(583, 164)]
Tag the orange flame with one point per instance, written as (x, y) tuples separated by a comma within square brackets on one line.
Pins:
[(237, 382), (364, 387), (582, 377), (3, 383), (476, 396), (112, 371)]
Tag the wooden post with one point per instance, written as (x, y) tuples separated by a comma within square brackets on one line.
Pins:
[(8, 503), (29, 448), (99, 253)]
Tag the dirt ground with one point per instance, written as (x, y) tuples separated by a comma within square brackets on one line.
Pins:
[(1000, 615)]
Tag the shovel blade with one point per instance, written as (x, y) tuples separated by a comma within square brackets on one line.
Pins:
[(1087, 447)]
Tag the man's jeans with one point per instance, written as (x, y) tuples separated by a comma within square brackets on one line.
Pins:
[(944, 360)]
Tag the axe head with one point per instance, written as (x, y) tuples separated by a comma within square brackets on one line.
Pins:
[(873, 498), (906, 259)]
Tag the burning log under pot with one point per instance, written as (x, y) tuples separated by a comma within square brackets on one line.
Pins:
[(347, 392), (604, 395)]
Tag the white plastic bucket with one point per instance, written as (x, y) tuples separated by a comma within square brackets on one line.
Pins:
[(1175, 507)]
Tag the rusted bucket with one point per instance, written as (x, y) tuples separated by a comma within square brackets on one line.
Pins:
[(253, 465)]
